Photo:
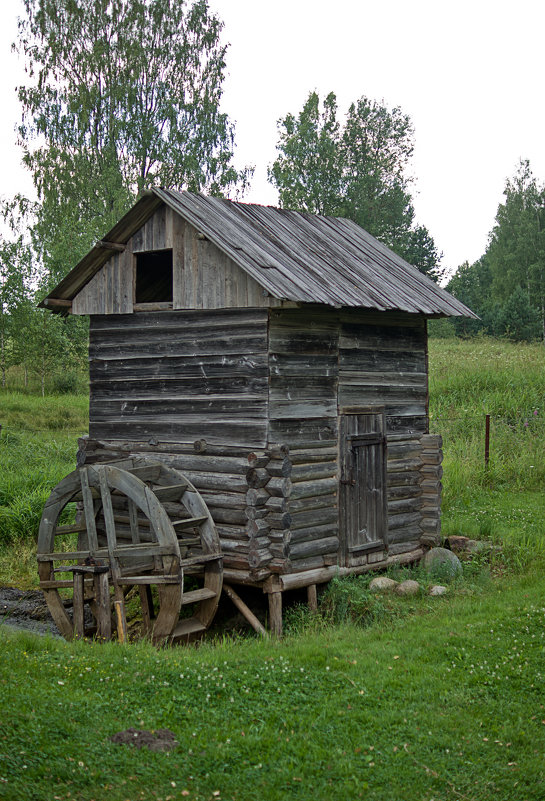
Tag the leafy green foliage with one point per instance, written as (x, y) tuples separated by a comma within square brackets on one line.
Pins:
[(123, 96), (356, 170)]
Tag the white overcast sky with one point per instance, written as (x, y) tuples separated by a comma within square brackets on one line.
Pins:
[(470, 74)]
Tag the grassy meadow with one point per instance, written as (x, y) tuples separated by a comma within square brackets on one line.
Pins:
[(425, 699)]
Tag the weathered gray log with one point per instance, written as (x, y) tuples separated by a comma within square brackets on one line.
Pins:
[(258, 459), (307, 564), (279, 520), (256, 512), (277, 504), (399, 506), (279, 550), (314, 502), (279, 486), (244, 546), (403, 465), (405, 534), (307, 489), (313, 471), (402, 520), (256, 528), (278, 451), (280, 468), (257, 477), (403, 479), (405, 450), (432, 457), (259, 557), (257, 497), (307, 455), (407, 491), (314, 533), (314, 517)]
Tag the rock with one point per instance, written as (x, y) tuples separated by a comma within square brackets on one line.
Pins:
[(442, 563), (382, 584), (438, 589), (408, 588), (464, 547)]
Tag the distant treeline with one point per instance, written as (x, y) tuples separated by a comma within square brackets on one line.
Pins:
[(506, 286)]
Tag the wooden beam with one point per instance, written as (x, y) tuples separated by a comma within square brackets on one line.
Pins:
[(244, 609), (60, 303), (102, 243)]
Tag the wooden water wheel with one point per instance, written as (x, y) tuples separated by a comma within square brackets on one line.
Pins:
[(143, 525)]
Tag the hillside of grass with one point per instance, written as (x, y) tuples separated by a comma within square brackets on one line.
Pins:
[(504, 501)]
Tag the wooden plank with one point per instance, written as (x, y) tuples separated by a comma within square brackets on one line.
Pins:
[(187, 627), (195, 596), (189, 522), (89, 509)]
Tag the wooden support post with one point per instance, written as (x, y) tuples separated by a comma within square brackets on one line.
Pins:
[(487, 440), (121, 621), (78, 611), (245, 610), (312, 597), (102, 606), (275, 613)]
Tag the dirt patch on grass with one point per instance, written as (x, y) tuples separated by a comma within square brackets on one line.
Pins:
[(160, 740)]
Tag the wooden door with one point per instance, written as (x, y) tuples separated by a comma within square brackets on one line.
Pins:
[(362, 495)]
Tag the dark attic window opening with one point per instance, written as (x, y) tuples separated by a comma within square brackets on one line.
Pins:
[(153, 277)]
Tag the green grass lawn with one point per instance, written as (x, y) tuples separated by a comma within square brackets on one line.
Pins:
[(444, 704)]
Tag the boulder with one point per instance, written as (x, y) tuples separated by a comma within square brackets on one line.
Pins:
[(438, 589), (442, 563), (408, 588), (382, 584)]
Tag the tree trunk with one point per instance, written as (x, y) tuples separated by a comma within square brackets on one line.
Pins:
[(3, 356)]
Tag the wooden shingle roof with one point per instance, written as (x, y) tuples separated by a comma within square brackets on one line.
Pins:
[(297, 257)]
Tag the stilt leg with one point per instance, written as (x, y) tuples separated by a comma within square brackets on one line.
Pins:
[(102, 600), (275, 613), (312, 597)]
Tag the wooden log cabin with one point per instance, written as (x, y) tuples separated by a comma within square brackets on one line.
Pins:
[(280, 361)]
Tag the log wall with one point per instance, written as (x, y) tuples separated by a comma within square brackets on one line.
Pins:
[(180, 376), (246, 383), (383, 361), (303, 365)]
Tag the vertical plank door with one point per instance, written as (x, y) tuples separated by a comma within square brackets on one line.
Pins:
[(362, 495)]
